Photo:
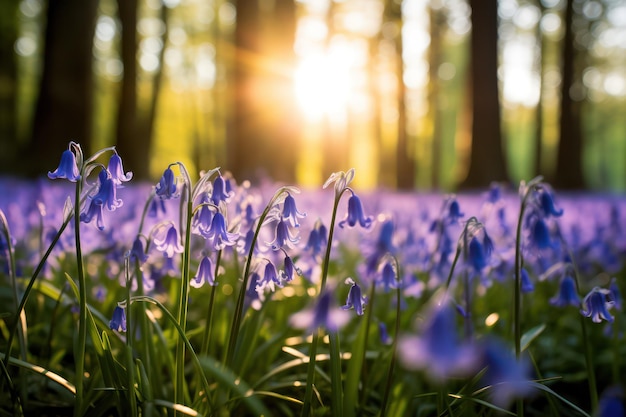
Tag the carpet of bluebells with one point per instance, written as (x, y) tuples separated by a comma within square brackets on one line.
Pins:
[(204, 295)]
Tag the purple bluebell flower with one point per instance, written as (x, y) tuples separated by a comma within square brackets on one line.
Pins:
[(94, 210), (595, 305), (476, 255), (118, 321), (355, 299), (217, 236), (567, 295), (388, 277), (546, 201), (322, 315), (289, 269), (290, 212), (116, 169), (107, 195), (270, 278), (283, 236), (507, 377), (526, 284), (355, 214), (166, 188), (170, 243), (157, 206), (203, 218), (317, 239), (220, 192), (205, 274), (454, 211), (68, 169), (438, 349), (540, 235), (137, 251)]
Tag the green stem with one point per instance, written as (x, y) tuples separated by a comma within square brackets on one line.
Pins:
[(130, 365), (209, 315), (82, 308)]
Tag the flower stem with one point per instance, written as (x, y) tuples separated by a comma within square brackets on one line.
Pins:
[(82, 307)]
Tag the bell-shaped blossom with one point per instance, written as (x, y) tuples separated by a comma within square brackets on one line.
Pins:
[(283, 237), (355, 214), (220, 192), (94, 211), (205, 274), (355, 299), (118, 321), (166, 188), (68, 169), (317, 239), (116, 170), (454, 211), (107, 194), (201, 222), (546, 202), (526, 284), (170, 243), (217, 236), (476, 255), (540, 235), (388, 277), (290, 212), (596, 305), (289, 269), (137, 251), (156, 207), (567, 295), (438, 349)]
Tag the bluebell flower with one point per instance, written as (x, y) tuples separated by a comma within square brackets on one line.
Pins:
[(289, 269), (270, 278), (507, 377), (476, 255), (116, 169), (355, 214), (170, 243), (166, 188), (355, 299), (118, 321), (290, 212), (283, 236), (438, 349), (217, 235), (68, 169), (107, 195), (567, 295), (388, 277), (546, 201), (317, 239), (322, 315), (137, 251), (94, 210), (203, 218), (220, 193), (595, 305), (540, 235), (157, 206), (526, 284), (454, 211), (205, 274), (614, 294), (385, 339), (612, 402)]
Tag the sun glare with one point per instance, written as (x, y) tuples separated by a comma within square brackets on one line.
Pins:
[(323, 82)]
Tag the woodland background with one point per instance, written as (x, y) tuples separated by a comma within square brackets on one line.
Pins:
[(415, 94)]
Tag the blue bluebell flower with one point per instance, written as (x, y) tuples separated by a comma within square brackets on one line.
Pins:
[(170, 243), (137, 251), (612, 402), (217, 236), (289, 269), (454, 211), (317, 239), (526, 284), (269, 279), (118, 321), (595, 305), (290, 211), (68, 169), (107, 194), (567, 295), (355, 214), (438, 349), (476, 255), (166, 188), (220, 193), (205, 273), (283, 236), (203, 217), (355, 299), (94, 210), (322, 315), (388, 277), (540, 235), (156, 206), (385, 339), (546, 201), (116, 170)]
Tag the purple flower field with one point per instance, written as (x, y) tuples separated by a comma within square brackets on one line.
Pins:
[(215, 297)]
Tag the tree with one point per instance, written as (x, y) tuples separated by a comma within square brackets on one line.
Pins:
[(569, 157), (8, 85), (64, 108), (487, 162), (263, 130)]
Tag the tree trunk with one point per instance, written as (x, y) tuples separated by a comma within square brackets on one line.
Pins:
[(8, 87), (64, 108), (487, 162), (569, 158)]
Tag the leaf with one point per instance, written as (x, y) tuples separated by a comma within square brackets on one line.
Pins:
[(531, 335)]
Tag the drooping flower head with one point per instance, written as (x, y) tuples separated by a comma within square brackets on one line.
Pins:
[(218, 237), (355, 299), (283, 236), (322, 315), (205, 274), (317, 239), (290, 211), (355, 214), (107, 194), (68, 167), (166, 188), (116, 170), (596, 305), (169, 243), (220, 192), (94, 211), (137, 251), (118, 321), (567, 295)]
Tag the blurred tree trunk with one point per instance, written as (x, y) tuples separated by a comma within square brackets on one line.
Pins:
[(434, 59), (64, 109), (569, 157), (541, 44), (8, 86), (487, 162), (263, 140)]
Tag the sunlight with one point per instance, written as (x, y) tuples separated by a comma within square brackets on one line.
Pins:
[(323, 82)]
